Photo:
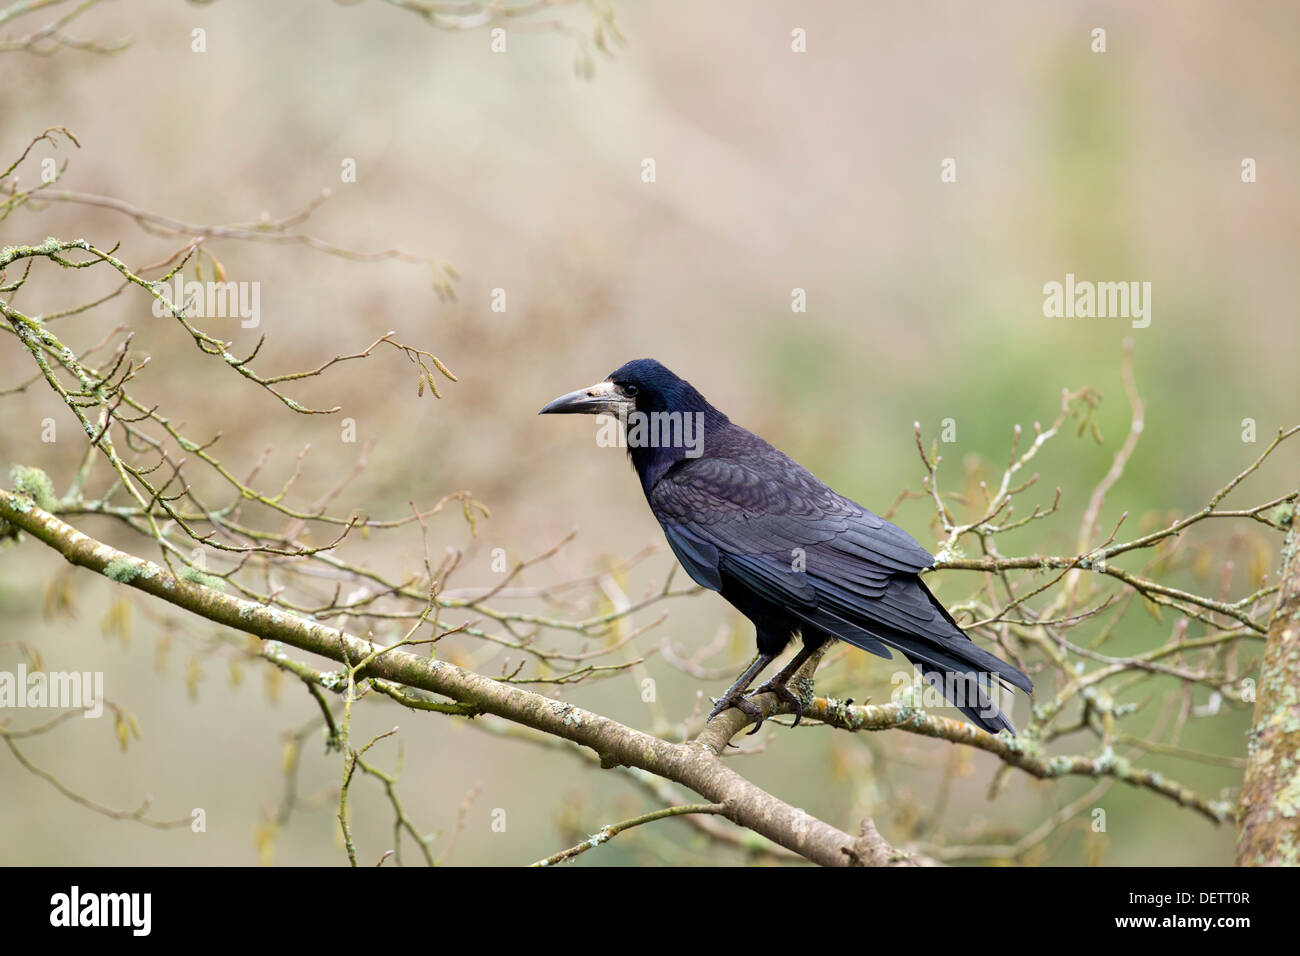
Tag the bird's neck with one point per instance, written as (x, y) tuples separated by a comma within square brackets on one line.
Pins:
[(658, 440)]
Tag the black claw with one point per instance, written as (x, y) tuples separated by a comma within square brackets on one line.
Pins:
[(785, 694), (745, 706)]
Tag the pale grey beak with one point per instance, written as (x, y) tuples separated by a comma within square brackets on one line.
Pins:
[(603, 398)]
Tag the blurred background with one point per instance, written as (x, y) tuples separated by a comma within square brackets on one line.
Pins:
[(774, 171)]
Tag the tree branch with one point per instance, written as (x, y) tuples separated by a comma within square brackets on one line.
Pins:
[(694, 764), (609, 831), (1268, 829)]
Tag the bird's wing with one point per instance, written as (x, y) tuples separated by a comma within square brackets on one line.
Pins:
[(763, 506), (771, 526), (784, 533)]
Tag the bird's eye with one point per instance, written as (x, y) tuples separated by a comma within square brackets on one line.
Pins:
[(630, 391)]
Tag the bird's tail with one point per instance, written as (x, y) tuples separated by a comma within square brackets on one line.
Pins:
[(969, 689), (969, 692), (968, 676)]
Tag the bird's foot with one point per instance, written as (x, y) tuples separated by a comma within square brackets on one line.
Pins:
[(738, 700), (783, 693)]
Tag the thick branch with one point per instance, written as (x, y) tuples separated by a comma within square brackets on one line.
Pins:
[(1268, 830), (695, 764)]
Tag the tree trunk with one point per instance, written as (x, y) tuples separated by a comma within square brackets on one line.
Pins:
[(1268, 821)]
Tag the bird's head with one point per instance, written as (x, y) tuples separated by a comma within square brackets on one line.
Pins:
[(642, 385), (663, 418)]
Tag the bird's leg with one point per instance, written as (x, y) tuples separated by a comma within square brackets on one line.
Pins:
[(777, 684), (735, 695)]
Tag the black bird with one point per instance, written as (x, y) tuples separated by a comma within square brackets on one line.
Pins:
[(788, 552)]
